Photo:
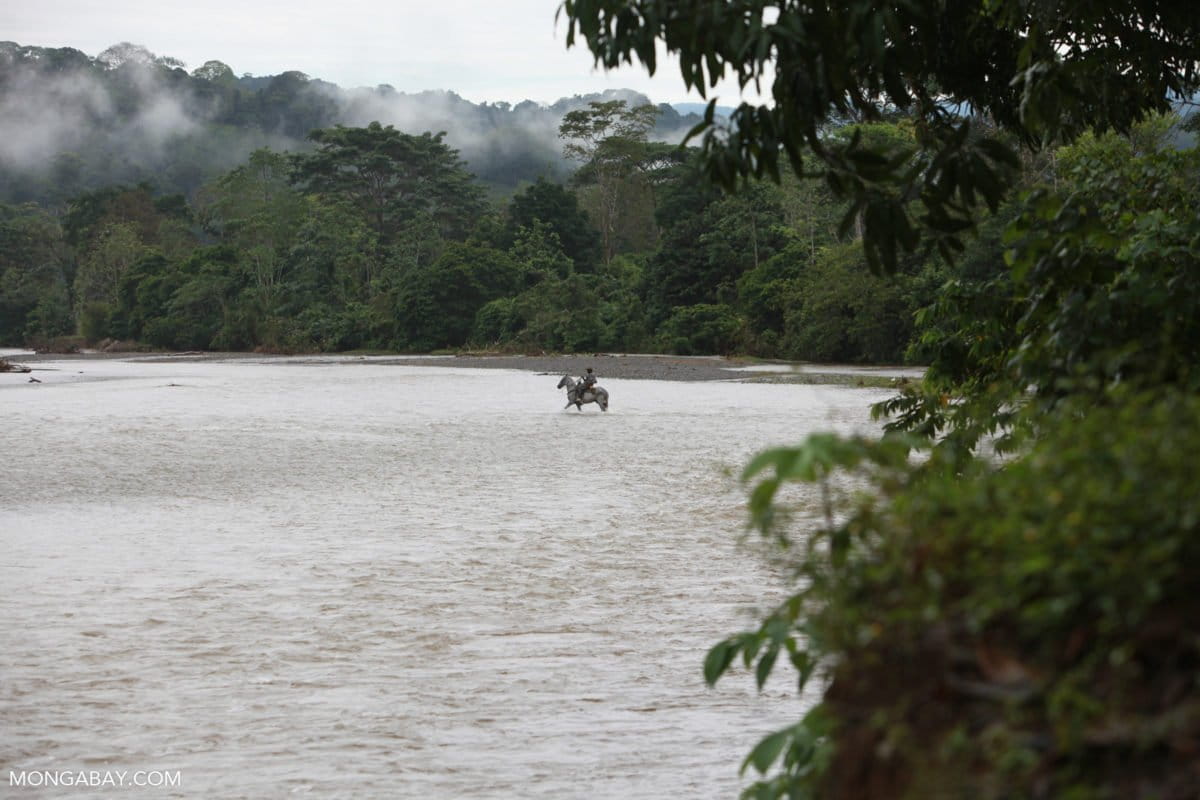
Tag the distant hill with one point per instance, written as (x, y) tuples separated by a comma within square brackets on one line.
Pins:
[(698, 109), (71, 122)]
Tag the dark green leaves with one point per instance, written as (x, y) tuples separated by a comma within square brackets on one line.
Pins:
[(1037, 74), (718, 660), (392, 177), (767, 750), (762, 647), (804, 751), (815, 460)]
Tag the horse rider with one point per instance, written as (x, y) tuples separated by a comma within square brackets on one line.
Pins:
[(586, 382)]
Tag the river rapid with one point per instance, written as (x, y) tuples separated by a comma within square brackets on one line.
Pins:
[(349, 579)]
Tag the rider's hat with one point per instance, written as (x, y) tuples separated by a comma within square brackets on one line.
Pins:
[(589, 369)]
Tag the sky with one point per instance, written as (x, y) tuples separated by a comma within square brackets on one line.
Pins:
[(484, 50)]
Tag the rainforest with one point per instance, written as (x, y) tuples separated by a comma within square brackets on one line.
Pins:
[(148, 207)]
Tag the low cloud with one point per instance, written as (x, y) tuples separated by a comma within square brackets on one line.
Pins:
[(130, 115)]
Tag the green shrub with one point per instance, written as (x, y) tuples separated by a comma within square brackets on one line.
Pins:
[(704, 329), (51, 317), (94, 319), (497, 321), (1020, 628)]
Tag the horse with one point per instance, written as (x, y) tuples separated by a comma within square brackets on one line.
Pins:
[(594, 395)]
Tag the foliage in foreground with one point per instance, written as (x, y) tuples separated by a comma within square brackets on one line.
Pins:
[(1016, 630), (1022, 625), (1019, 623), (1028, 68)]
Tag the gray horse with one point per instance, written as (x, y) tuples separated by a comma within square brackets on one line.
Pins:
[(594, 395)]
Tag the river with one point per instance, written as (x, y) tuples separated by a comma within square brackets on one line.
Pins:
[(348, 579)]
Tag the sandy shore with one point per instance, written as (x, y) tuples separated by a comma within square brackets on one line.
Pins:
[(606, 365), (634, 367)]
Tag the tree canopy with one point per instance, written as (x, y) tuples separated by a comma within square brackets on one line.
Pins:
[(395, 178), (610, 140), (1041, 72), (349, 246)]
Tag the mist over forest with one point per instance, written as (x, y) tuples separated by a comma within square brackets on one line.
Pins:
[(70, 122), (143, 205)]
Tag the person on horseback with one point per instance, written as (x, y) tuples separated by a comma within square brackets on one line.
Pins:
[(586, 382)]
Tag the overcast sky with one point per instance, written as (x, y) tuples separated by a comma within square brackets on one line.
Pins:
[(482, 49)]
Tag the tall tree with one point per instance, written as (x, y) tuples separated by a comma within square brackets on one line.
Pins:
[(392, 178), (609, 139), (115, 250), (255, 209)]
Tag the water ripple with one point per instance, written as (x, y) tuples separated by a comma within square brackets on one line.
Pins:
[(286, 579)]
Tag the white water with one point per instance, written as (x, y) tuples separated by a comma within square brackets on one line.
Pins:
[(357, 580)]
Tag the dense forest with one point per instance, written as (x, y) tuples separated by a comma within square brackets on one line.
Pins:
[(70, 122), (256, 221)]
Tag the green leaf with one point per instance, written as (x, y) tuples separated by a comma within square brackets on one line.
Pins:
[(767, 750), (765, 665), (718, 660), (760, 500), (803, 663), (779, 457)]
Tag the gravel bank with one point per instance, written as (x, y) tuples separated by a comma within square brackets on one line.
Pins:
[(632, 367), (606, 365)]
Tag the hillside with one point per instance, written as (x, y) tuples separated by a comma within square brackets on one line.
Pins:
[(70, 122)]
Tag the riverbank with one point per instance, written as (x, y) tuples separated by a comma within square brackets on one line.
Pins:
[(606, 365), (687, 368)]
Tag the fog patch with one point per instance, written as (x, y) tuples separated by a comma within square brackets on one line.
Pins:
[(42, 116), (128, 115), (162, 120)]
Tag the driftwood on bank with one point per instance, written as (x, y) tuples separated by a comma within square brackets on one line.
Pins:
[(8, 366)]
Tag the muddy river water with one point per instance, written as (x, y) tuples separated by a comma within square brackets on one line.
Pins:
[(348, 579)]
